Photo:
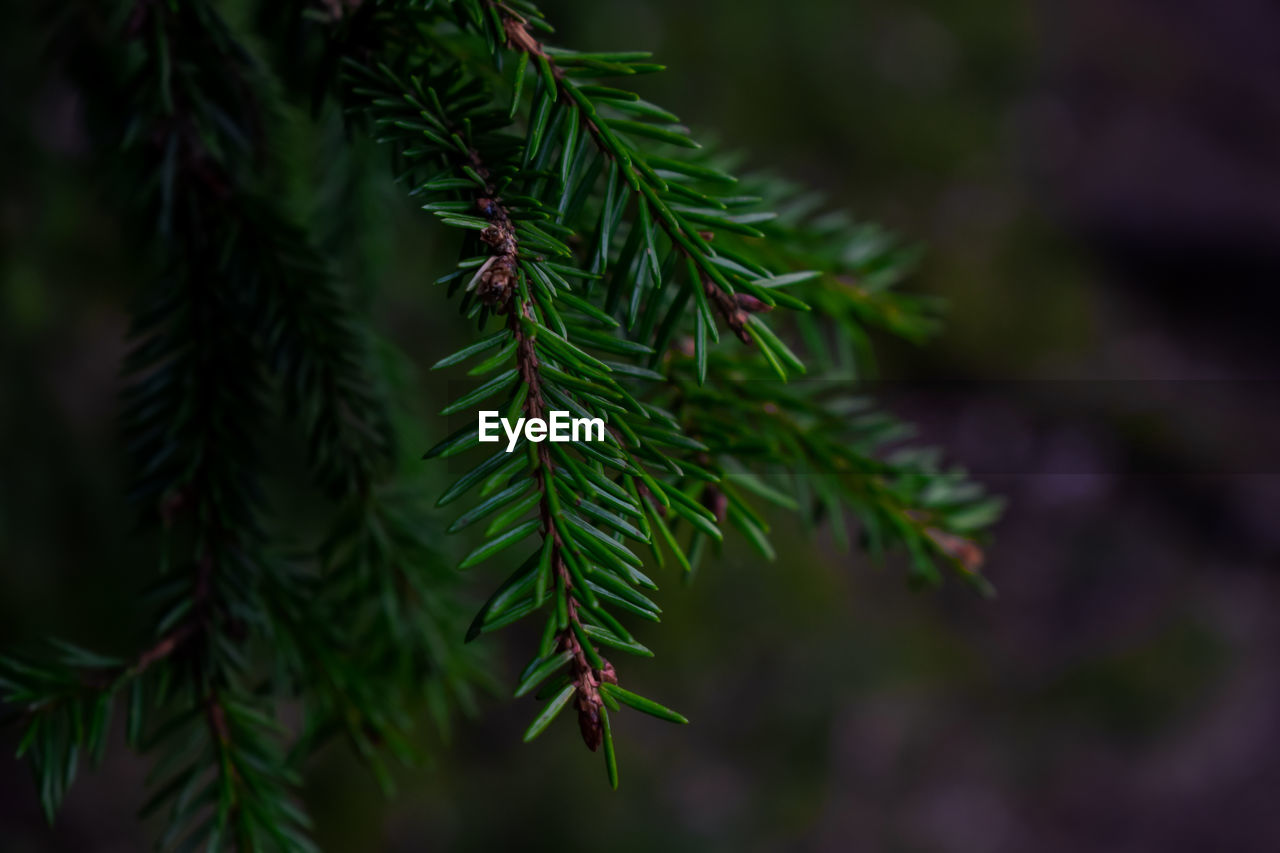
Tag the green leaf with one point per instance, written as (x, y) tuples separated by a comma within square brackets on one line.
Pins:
[(788, 279), (700, 347), (464, 483), (712, 218), (603, 515), (522, 64), (754, 534), (591, 90), (768, 353), (487, 506), (652, 131), (608, 638), (553, 707), (463, 439), (679, 498), (565, 349), (650, 243), (693, 170), (587, 308), (538, 125), (753, 483), (514, 512), (548, 76), (620, 602), (502, 542), (640, 703), (613, 545), (570, 146), (669, 538), (620, 586), (498, 383), (542, 671), (698, 520), (609, 343), (643, 108), (494, 361), (513, 588), (610, 758), (769, 341)]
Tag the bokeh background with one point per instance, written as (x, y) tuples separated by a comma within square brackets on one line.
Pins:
[(1098, 186)]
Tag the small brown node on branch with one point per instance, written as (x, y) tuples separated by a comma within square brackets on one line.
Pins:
[(518, 35), (957, 548), (608, 674), (496, 282), (589, 705), (589, 722), (751, 304), (716, 501)]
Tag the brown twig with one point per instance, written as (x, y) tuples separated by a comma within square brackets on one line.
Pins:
[(495, 285)]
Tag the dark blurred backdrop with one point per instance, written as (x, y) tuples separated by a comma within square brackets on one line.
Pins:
[(1098, 186)]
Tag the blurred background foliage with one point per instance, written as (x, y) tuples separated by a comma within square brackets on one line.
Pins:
[(1098, 187)]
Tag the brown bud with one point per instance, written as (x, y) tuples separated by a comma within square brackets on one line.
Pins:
[(589, 723), (608, 674), (958, 548), (716, 501), (494, 287), (751, 304)]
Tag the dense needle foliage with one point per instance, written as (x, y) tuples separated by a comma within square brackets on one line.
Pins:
[(610, 267)]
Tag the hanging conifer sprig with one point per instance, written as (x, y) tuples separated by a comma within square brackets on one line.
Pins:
[(566, 496), (191, 413), (241, 305), (603, 254), (834, 460), (658, 187), (583, 239)]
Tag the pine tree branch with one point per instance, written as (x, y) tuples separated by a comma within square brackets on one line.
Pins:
[(408, 103), (585, 677), (495, 285), (732, 307), (610, 270), (474, 184)]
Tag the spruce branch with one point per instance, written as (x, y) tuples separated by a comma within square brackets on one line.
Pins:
[(844, 260), (603, 252), (581, 541), (572, 187), (240, 300), (494, 286), (689, 242)]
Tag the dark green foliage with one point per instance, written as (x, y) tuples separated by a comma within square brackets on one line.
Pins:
[(604, 255)]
